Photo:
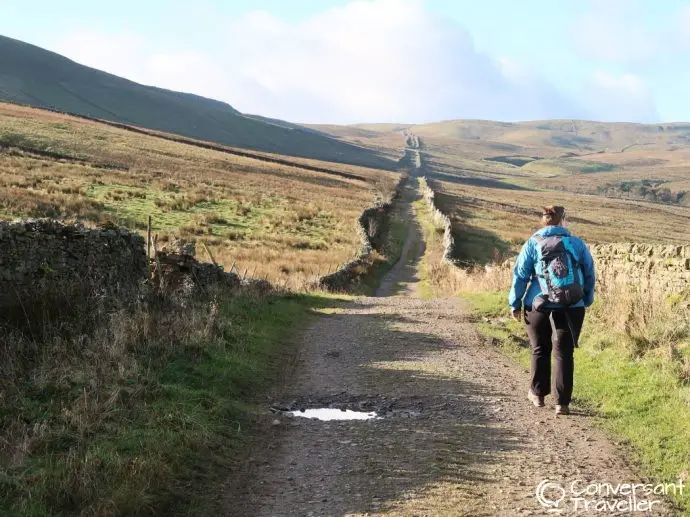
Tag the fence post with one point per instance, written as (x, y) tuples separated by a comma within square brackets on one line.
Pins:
[(210, 255), (148, 247), (159, 271)]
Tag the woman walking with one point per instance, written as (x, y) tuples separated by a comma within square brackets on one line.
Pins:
[(553, 281)]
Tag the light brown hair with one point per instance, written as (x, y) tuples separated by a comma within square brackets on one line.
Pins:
[(552, 215)]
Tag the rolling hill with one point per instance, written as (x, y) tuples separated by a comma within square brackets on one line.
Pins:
[(33, 76), (613, 159), (555, 135)]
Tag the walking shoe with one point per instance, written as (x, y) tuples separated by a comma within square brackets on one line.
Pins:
[(562, 410), (535, 399)]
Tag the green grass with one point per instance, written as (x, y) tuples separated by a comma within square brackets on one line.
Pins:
[(597, 167), (638, 399), (171, 210), (434, 250), (393, 246), (170, 433)]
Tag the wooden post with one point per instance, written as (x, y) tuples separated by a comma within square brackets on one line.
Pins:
[(148, 240), (148, 248), (159, 271), (210, 255)]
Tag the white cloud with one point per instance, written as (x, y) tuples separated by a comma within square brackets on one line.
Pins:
[(369, 60), (621, 97)]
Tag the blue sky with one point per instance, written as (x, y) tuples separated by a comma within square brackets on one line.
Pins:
[(346, 61)]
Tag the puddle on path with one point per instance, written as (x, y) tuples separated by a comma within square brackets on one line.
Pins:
[(335, 414)]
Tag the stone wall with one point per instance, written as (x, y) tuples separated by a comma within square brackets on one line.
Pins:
[(642, 266), (646, 266), (176, 273), (372, 225), (46, 264), (43, 257), (442, 221)]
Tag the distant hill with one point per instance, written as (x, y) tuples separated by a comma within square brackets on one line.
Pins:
[(573, 135), (34, 76), (648, 162), (548, 136)]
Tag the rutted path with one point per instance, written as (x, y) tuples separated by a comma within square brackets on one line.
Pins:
[(457, 438)]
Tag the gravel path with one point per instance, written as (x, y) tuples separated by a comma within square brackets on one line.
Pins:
[(457, 435)]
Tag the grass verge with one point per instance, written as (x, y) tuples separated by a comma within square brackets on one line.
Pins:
[(641, 398), (150, 438), (391, 253)]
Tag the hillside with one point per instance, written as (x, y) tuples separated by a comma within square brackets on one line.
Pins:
[(568, 135), (649, 162), (34, 76), (275, 217)]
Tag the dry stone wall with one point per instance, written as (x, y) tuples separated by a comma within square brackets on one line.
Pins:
[(371, 228), (645, 266), (48, 261), (442, 221), (176, 273), (42, 257), (639, 266)]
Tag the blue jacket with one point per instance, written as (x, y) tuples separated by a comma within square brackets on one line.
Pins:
[(524, 272)]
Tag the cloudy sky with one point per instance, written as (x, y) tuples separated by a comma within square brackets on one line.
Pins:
[(347, 61)]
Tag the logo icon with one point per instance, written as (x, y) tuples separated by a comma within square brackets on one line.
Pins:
[(550, 495)]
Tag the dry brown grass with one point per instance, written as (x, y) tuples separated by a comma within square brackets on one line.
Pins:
[(513, 215), (272, 220), (126, 409), (652, 321), (576, 156)]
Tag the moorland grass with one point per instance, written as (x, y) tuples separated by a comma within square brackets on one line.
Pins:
[(510, 216), (36, 77), (281, 222), (144, 413)]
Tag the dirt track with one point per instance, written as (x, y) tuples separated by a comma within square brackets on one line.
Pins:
[(457, 438)]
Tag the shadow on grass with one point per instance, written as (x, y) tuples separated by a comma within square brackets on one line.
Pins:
[(477, 182), (477, 245), (474, 245)]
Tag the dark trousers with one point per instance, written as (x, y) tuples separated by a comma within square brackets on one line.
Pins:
[(557, 331)]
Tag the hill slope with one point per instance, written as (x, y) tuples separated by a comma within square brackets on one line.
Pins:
[(554, 135), (285, 220), (614, 159), (34, 76)]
